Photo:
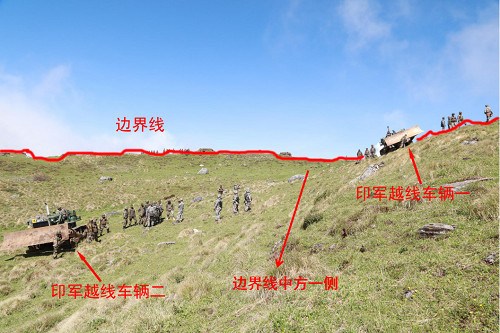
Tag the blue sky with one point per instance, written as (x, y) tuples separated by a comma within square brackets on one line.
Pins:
[(316, 78)]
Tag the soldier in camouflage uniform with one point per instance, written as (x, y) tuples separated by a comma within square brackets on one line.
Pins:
[(142, 214), (131, 216), (180, 212), (57, 244), (90, 234), (373, 152), (488, 112), (236, 199), (248, 200), (460, 117), (170, 210), (443, 124), (453, 120), (95, 230), (103, 224), (449, 122), (367, 153), (218, 207), (125, 217)]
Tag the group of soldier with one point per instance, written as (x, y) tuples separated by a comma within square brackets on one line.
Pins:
[(150, 214), (369, 153), (455, 120), (247, 197), (452, 121)]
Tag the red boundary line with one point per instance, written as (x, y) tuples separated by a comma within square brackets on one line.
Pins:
[(466, 121), (218, 152), (173, 151)]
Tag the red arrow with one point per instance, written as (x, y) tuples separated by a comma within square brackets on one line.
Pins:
[(415, 166), (88, 265), (279, 262)]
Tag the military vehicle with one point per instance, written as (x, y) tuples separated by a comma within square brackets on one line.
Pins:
[(400, 139), (42, 229)]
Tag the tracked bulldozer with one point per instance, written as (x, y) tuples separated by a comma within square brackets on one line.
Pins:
[(42, 229), (398, 140)]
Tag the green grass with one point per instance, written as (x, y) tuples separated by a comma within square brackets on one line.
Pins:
[(455, 291)]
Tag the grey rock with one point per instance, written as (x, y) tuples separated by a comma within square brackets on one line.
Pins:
[(457, 186), (472, 141), (295, 177), (408, 294), (491, 258), (105, 178), (166, 243), (434, 229), (203, 171), (317, 248), (197, 199)]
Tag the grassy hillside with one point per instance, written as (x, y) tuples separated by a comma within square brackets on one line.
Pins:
[(453, 288)]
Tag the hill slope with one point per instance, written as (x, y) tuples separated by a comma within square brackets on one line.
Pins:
[(451, 287)]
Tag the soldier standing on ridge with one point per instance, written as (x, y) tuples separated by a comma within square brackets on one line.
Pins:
[(460, 117), (443, 124), (125, 217), (57, 244), (131, 216), (236, 199), (218, 207), (453, 120), (388, 132), (488, 112), (180, 212), (248, 200), (367, 153), (449, 122), (103, 224), (359, 153), (373, 152)]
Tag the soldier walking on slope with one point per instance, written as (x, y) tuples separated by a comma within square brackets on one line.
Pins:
[(131, 216), (236, 199), (180, 211), (57, 244), (170, 210), (248, 200), (142, 214), (125, 217), (218, 208), (103, 224)]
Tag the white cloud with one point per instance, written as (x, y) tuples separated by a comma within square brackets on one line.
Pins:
[(395, 119), (362, 22), (474, 51), (29, 121), (53, 82)]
